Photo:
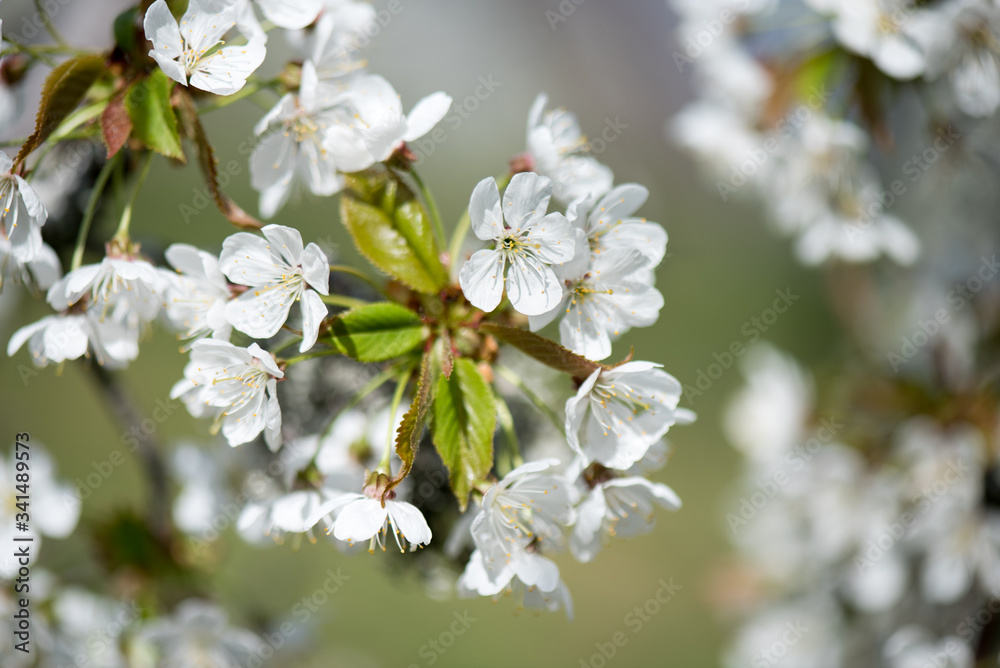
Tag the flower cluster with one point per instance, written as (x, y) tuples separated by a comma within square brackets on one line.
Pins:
[(764, 121), (334, 388)]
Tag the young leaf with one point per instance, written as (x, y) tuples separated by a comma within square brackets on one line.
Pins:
[(544, 350), (381, 240), (62, 92), (414, 224), (377, 332), (116, 126), (152, 115), (412, 427), (465, 416), (392, 229)]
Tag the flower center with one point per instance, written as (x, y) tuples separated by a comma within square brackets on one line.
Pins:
[(193, 57), (303, 127)]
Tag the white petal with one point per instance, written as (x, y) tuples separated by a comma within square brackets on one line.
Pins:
[(287, 241), (426, 114), (553, 238), (290, 14), (161, 29), (485, 212), (532, 287), (482, 279), (526, 199), (409, 521), (226, 71), (360, 520), (247, 259), (313, 312), (316, 269), (261, 312)]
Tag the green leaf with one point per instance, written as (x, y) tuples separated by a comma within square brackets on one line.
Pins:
[(544, 350), (153, 119), (377, 332), (63, 90), (413, 222), (393, 231), (412, 427), (465, 416)]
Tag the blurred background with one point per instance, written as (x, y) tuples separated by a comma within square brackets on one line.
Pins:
[(612, 64)]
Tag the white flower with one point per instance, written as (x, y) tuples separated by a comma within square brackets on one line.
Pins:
[(525, 237), (960, 38), (297, 511), (187, 52), (620, 508), (557, 148), (278, 270), (106, 307), (305, 138), (199, 634), (22, 214), (767, 417), (611, 224), (605, 297), (58, 338), (196, 295), (520, 514), (813, 627), (365, 518), (618, 413), (852, 235), (237, 386), (719, 137), (125, 288), (542, 576), (381, 122), (40, 272), (913, 647), (86, 627), (878, 29), (824, 190), (338, 37), (288, 14)]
